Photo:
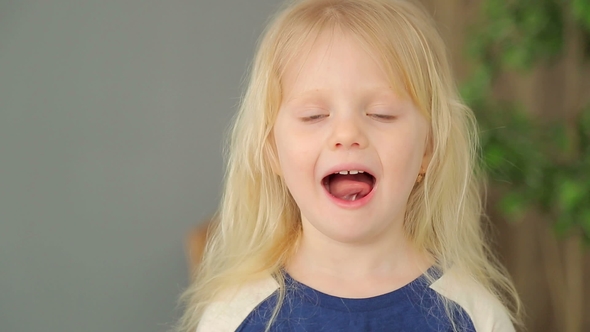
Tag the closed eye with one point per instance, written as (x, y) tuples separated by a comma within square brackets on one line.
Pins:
[(314, 117), (382, 117)]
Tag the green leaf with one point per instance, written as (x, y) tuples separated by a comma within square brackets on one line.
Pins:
[(570, 195), (585, 223), (547, 165), (563, 225), (514, 205), (517, 57), (494, 158), (581, 11)]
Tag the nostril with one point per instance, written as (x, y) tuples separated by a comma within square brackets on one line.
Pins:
[(354, 144), (348, 137)]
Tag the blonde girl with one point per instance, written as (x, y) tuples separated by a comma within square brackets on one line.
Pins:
[(351, 200)]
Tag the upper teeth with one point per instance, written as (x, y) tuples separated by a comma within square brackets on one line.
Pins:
[(349, 172)]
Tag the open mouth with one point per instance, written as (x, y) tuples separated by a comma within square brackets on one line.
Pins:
[(349, 185)]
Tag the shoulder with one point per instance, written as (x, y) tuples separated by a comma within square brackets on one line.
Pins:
[(228, 311), (484, 309)]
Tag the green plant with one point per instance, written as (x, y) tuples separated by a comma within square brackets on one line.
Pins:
[(537, 163)]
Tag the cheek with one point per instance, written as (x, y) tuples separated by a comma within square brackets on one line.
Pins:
[(294, 157), (403, 155), (290, 150), (294, 149), (296, 169)]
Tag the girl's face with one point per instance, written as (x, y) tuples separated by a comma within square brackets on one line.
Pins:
[(340, 114)]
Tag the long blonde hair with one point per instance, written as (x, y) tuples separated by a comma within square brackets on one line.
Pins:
[(258, 222)]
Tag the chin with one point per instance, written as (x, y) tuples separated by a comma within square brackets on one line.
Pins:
[(353, 232)]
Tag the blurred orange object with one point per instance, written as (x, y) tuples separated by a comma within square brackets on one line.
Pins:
[(195, 245)]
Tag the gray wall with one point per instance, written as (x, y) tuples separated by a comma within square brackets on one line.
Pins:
[(112, 116)]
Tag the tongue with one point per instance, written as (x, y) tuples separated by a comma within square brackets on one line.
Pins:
[(350, 187)]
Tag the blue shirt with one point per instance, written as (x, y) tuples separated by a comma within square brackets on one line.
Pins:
[(414, 307)]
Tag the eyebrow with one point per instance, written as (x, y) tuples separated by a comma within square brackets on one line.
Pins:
[(305, 96), (313, 95)]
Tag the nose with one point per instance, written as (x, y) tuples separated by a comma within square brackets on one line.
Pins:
[(347, 133)]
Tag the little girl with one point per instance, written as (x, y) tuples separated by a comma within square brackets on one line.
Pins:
[(351, 200)]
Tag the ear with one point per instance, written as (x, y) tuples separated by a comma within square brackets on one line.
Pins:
[(428, 151)]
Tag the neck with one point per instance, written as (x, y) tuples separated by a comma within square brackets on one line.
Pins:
[(356, 269)]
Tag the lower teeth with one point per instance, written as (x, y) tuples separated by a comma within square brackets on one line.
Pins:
[(351, 197)]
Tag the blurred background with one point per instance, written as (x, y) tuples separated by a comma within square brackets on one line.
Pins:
[(112, 120)]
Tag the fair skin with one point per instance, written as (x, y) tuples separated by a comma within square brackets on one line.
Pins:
[(340, 113)]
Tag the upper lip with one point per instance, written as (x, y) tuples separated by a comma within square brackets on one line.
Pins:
[(348, 167)]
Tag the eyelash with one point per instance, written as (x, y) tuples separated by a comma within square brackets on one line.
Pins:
[(314, 117), (382, 117)]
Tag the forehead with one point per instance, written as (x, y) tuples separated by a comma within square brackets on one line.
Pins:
[(335, 60)]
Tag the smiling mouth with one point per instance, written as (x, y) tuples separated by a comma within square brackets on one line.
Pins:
[(349, 185)]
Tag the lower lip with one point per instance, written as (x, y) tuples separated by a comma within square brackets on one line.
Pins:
[(351, 204)]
